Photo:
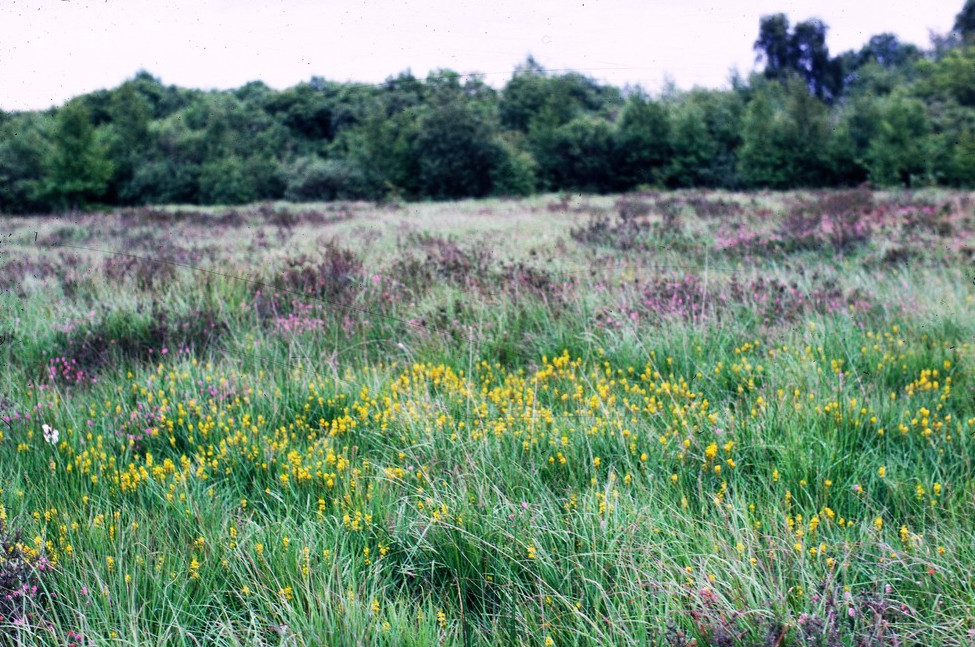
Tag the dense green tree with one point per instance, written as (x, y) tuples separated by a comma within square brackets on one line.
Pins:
[(127, 138), (305, 109), (524, 97), (961, 171), (314, 178), (953, 77), (900, 152), (705, 137), (965, 21), (456, 148), (533, 94), (785, 139), (77, 169), (234, 180), (822, 74), (382, 147), (692, 147), (403, 92), (163, 181), (762, 160), (575, 156), (170, 168), (24, 147), (515, 172), (887, 51), (802, 52), (642, 142), (888, 113), (774, 46)]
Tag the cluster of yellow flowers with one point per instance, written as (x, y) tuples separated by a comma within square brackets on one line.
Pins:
[(600, 428)]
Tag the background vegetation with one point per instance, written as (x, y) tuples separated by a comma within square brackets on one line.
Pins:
[(889, 114)]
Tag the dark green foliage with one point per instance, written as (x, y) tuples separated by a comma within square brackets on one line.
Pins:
[(952, 78), (900, 151), (127, 137), (888, 113), (575, 156), (532, 93), (965, 21), (888, 51), (961, 171), (23, 148), (312, 178), (163, 182), (786, 139), (642, 142), (304, 109), (455, 148), (515, 173), (233, 180), (802, 52), (77, 169)]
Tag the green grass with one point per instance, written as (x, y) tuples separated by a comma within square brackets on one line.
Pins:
[(484, 428)]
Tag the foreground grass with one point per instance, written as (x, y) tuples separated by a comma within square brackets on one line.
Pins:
[(636, 431)]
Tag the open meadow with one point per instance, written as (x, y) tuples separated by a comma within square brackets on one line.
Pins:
[(689, 418)]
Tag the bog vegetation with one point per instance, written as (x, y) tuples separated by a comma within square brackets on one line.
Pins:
[(684, 418), (889, 113)]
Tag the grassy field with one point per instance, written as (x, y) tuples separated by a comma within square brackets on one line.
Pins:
[(662, 419)]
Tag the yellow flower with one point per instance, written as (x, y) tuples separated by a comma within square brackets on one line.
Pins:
[(711, 451)]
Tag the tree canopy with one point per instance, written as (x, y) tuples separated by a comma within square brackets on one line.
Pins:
[(889, 113)]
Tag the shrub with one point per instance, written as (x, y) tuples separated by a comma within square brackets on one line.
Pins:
[(312, 178)]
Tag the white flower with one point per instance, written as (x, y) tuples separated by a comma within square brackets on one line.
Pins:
[(51, 434)]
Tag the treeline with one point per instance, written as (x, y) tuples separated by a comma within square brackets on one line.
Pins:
[(890, 114)]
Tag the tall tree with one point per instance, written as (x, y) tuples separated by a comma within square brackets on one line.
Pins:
[(24, 147), (642, 142), (802, 51), (774, 46), (127, 137), (900, 152), (77, 169), (965, 22)]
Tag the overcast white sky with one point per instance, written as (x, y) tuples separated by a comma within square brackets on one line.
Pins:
[(51, 50)]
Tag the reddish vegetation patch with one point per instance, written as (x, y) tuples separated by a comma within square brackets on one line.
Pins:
[(771, 301)]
